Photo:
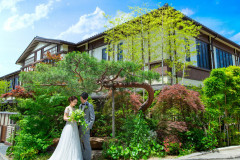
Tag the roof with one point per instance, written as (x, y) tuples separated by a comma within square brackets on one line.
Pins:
[(214, 33), (35, 42), (91, 38), (10, 74), (197, 23)]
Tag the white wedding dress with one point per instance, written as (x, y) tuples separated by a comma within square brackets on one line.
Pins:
[(68, 147)]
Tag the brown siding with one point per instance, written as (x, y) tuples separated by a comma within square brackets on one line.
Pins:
[(35, 56), (158, 68), (71, 48), (82, 48), (196, 73), (203, 38), (98, 43), (238, 53), (223, 46)]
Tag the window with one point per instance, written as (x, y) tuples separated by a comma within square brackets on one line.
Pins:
[(52, 50), (187, 49), (203, 60), (224, 59), (104, 54), (120, 52), (188, 58), (16, 81)]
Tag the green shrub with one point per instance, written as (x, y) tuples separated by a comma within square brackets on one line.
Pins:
[(40, 120), (134, 141)]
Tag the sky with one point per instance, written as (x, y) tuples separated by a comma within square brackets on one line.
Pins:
[(75, 20)]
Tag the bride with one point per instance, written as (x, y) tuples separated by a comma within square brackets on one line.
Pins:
[(68, 147)]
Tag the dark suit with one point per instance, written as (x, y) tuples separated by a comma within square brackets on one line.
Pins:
[(85, 138)]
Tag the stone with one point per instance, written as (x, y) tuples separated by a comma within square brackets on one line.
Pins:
[(97, 142)]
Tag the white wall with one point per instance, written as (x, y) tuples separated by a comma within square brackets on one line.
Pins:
[(50, 46), (64, 47), (31, 55), (38, 55), (40, 45), (97, 52)]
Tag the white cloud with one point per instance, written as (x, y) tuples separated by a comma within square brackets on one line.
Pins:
[(187, 11), (89, 35), (86, 26), (17, 22), (211, 23), (216, 25), (236, 38), (8, 5), (91, 24), (226, 32)]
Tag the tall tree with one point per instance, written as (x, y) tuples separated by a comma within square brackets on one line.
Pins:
[(153, 34), (4, 85), (222, 91)]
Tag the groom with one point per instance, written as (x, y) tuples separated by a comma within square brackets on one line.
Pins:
[(89, 118)]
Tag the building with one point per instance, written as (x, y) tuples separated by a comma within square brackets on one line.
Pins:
[(213, 51)]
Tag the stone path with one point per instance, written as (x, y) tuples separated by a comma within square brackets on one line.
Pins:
[(3, 149), (232, 152)]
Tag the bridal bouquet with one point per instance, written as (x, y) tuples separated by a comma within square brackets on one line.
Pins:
[(78, 116)]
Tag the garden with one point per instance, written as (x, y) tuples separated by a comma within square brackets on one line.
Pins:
[(179, 120)]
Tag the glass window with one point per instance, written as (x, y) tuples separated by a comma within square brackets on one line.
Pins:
[(221, 58), (230, 59), (120, 52), (203, 60), (16, 81), (218, 58), (224, 59), (104, 54), (188, 58), (187, 49), (227, 60), (51, 50)]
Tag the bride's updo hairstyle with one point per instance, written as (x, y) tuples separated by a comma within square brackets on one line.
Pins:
[(72, 98)]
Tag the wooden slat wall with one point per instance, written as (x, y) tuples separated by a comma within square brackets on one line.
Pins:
[(6, 128)]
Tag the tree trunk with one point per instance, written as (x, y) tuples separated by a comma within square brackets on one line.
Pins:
[(113, 113), (184, 69), (162, 53), (146, 86)]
